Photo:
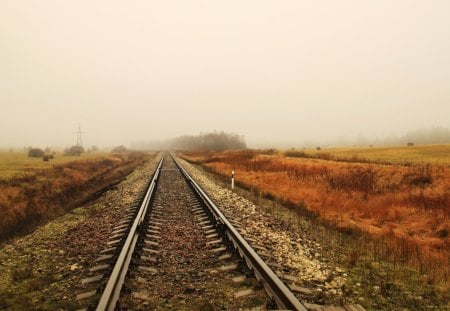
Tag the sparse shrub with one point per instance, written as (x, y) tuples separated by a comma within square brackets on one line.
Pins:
[(297, 154), (324, 156), (442, 234), (420, 176), (270, 151), (35, 153), (258, 164), (74, 151), (119, 149), (352, 180), (239, 158), (430, 200)]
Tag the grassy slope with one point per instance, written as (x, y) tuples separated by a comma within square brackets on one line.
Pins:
[(375, 198), (36, 193)]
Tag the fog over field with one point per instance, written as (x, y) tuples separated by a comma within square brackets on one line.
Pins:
[(278, 72)]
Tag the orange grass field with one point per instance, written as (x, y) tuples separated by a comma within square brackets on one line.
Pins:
[(407, 205), (33, 193)]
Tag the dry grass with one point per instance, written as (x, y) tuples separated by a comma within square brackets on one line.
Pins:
[(16, 163), (435, 154), (405, 208), (36, 195)]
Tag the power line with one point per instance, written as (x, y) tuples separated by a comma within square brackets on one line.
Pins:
[(79, 136)]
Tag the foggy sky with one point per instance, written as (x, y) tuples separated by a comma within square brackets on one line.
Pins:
[(274, 71)]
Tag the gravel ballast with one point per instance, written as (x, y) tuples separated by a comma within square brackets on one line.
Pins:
[(293, 255)]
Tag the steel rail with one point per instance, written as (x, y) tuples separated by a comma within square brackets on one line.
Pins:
[(275, 288), (111, 293)]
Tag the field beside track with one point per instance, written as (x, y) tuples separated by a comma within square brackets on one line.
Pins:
[(399, 197), (14, 163), (33, 192), (434, 154)]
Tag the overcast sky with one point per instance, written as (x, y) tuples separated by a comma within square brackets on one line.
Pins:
[(274, 71)]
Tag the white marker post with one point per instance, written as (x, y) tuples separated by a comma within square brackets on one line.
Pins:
[(232, 180)]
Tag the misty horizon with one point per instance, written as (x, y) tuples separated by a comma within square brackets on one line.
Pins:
[(431, 136), (280, 74)]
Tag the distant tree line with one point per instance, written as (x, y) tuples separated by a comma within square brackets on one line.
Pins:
[(435, 135), (209, 141)]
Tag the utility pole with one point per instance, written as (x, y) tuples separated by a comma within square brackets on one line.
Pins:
[(79, 136)]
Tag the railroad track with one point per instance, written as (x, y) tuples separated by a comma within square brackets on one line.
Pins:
[(176, 250)]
